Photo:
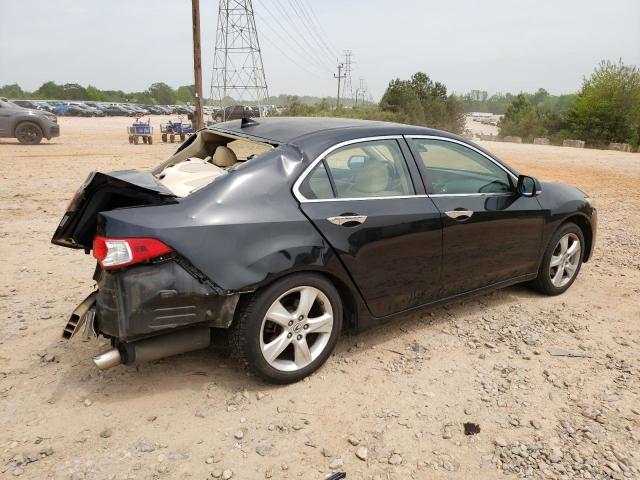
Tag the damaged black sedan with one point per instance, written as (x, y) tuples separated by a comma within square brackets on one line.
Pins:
[(288, 231)]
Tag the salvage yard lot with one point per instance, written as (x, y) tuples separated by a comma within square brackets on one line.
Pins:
[(403, 391)]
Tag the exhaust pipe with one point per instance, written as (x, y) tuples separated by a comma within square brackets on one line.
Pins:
[(155, 348), (110, 358)]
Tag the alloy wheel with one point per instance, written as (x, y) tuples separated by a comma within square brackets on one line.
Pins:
[(28, 134), (296, 328), (565, 260)]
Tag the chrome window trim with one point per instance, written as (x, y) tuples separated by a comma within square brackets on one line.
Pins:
[(296, 186), (470, 147)]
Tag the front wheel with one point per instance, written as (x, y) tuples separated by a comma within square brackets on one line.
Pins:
[(287, 330), (29, 133), (561, 261)]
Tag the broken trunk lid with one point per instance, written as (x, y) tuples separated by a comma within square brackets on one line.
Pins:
[(102, 192)]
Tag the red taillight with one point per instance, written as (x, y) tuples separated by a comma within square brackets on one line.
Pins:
[(121, 252)]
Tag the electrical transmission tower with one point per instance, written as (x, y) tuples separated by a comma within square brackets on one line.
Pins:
[(238, 73), (348, 88)]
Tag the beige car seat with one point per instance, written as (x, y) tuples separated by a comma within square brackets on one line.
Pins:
[(371, 180), (189, 175), (224, 157)]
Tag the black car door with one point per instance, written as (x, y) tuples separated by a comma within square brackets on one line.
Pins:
[(490, 233), (362, 198)]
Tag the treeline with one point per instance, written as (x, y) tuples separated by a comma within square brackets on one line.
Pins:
[(605, 110), (480, 101), (157, 94), (417, 101)]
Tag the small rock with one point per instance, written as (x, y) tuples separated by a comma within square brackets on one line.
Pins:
[(354, 441), (216, 473), (18, 471), (327, 453), (209, 460), (362, 453), (536, 424), (227, 474), (106, 433), (336, 463), (259, 395), (263, 450), (500, 442), (87, 402), (395, 459), (555, 455), (239, 435)]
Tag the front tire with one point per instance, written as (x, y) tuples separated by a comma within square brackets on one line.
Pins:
[(561, 261), (287, 330), (29, 133)]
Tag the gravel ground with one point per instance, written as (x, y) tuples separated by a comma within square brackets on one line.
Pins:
[(392, 403)]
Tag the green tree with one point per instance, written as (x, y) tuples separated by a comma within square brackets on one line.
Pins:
[(162, 93), (403, 101), (186, 94), (607, 108), (422, 101), (94, 94), (521, 119), (49, 90), (73, 91), (13, 91)]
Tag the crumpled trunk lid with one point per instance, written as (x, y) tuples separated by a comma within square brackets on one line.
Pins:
[(101, 192)]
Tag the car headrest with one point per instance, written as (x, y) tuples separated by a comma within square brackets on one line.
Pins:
[(372, 177), (224, 157)]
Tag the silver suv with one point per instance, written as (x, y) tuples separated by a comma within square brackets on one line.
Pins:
[(28, 126)]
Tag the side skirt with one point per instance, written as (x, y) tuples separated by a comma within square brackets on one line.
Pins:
[(364, 323)]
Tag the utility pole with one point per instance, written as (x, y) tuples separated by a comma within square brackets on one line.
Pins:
[(197, 64), (339, 77)]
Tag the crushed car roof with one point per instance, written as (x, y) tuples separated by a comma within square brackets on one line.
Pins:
[(283, 130)]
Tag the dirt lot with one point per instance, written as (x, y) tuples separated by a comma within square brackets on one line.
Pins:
[(398, 396)]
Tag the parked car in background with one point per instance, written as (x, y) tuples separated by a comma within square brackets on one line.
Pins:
[(29, 126), (27, 104), (115, 110), (365, 221), (87, 110), (59, 108), (235, 112)]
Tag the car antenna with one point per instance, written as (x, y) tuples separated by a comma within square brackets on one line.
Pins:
[(248, 122)]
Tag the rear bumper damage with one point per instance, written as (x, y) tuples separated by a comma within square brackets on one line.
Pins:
[(151, 311)]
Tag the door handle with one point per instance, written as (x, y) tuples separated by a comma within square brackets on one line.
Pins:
[(460, 214), (345, 219)]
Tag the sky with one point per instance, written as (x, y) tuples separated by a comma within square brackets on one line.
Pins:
[(492, 45)]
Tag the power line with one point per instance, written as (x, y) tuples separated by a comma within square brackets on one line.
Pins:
[(316, 61), (285, 55), (297, 9), (323, 33), (284, 12)]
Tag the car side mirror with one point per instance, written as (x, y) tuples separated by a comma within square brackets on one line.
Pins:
[(529, 186)]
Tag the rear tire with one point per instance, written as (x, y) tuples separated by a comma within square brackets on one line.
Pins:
[(135, 140), (561, 261), (29, 133), (149, 140), (287, 330), (172, 138), (164, 137), (130, 138)]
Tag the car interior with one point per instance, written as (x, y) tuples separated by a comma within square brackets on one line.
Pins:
[(455, 169), (369, 169), (202, 159)]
